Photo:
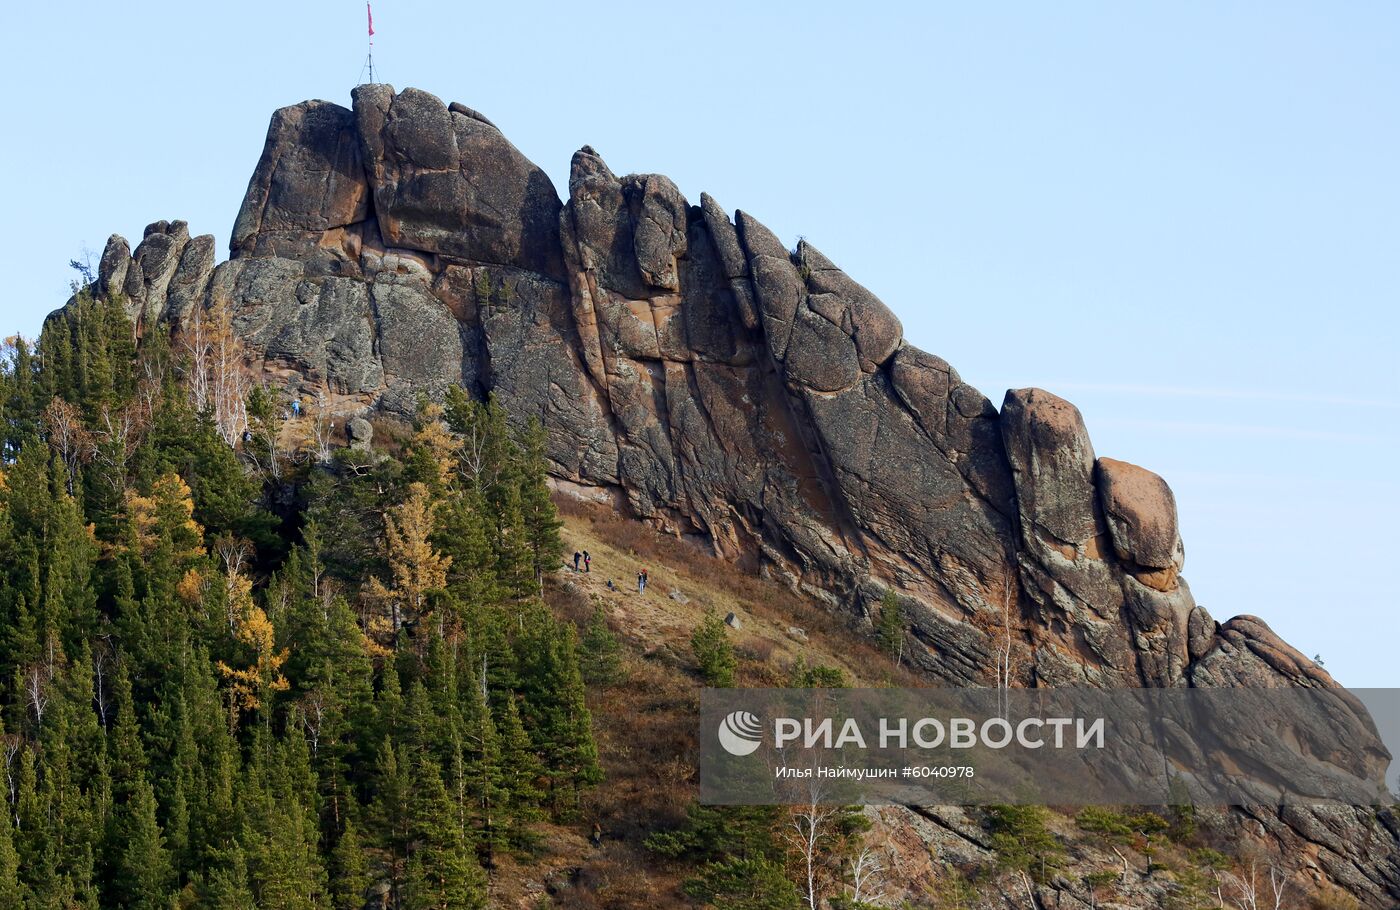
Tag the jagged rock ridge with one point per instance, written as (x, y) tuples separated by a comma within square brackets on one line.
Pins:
[(694, 371)]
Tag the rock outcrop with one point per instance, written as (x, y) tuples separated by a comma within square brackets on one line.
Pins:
[(704, 377)]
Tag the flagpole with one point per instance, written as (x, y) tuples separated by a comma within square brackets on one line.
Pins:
[(369, 60)]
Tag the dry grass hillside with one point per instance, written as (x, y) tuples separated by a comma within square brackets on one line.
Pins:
[(646, 734), (646, 725)]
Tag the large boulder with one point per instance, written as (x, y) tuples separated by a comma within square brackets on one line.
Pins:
[(187, 285), (156, 259), (449, 183), (310, 177), (1141, 514), (111, 268), (1052, 462)]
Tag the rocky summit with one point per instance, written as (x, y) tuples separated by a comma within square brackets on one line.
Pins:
[(699, 375)]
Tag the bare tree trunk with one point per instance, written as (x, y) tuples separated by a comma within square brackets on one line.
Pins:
[(1030, 892), (808, 829)]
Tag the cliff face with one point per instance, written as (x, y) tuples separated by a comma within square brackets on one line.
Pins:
[(697, 373)]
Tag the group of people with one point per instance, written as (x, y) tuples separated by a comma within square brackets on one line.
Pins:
[(584, 563)]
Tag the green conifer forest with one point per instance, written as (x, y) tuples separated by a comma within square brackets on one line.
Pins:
[(280, 676)]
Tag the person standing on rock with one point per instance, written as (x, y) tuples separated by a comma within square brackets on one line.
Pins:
[(587, 563), (577, 557)]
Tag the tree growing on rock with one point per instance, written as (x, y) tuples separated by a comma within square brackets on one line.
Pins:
[(1024, 844), (889, 629)]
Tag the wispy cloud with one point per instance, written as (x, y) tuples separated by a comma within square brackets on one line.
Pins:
[(1173, 391)]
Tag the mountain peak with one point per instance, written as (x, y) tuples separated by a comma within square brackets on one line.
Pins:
[(696, 373)]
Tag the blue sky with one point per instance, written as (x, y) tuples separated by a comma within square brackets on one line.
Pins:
[(1183, 217)]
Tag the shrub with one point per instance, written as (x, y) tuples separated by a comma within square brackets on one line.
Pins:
[(713, 651)]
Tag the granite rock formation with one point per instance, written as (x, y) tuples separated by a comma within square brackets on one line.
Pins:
[(697, 373)]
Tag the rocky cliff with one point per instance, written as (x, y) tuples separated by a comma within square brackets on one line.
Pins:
[(697, 373)]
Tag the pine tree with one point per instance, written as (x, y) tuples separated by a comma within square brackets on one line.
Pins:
[(11, 891), (521, 773), (278, 827), (144, 875), (183, 441), (540, 519), (128, 755), (226, 886), (350, 877), (482, 770), (465, 532), (806, 676), (745, 884), (291, 874), (714, 653), (1023, 843), (600, 655), (560, 722), (442, 874), (390, 810)]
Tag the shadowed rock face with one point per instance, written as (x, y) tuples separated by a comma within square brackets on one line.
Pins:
[(694, 371)]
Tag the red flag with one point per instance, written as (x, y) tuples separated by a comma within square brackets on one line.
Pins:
[(370, 13)]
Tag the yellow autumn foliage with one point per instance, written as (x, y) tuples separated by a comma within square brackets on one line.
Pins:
[(415, 566), (192, 587), (169, 509), (250, 686), (437, 440)]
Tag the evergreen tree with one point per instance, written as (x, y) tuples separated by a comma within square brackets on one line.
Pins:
[(820, 676), (227, 886), (350, 877), (391, 811), (540, 520), (442, 874), (144, 875), (742, 859), (555, 708), (714, 653), (1022, 841), (600, 655), (744, 884), (278, 829), (11, 890), (484, 776), (521, 773)]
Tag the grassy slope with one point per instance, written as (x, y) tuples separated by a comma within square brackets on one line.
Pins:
[(647, 736), (646, 725)]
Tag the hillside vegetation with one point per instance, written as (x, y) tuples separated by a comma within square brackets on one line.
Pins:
[(247, 665)]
